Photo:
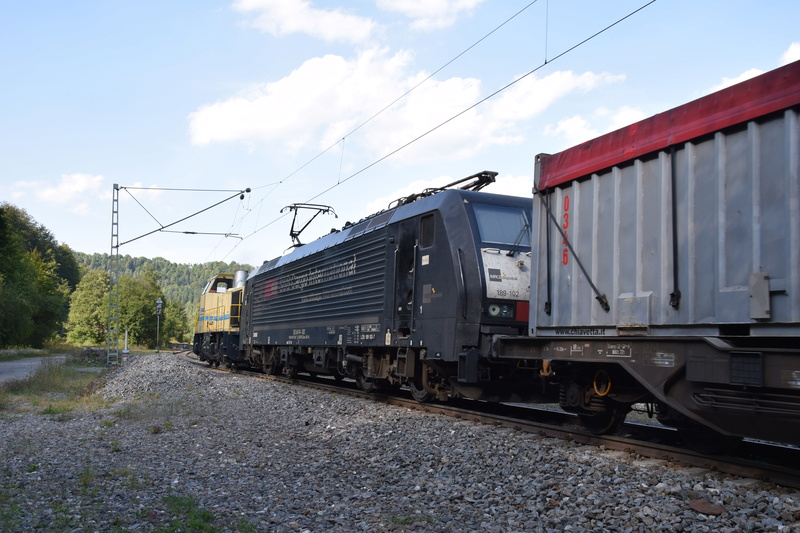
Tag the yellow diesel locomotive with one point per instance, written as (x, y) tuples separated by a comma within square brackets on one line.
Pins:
[(216, 334)]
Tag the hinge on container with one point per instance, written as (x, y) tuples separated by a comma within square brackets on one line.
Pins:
[(603, 302), (675, 299)]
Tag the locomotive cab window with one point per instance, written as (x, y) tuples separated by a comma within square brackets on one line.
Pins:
[(220, 286), (500, 224), (426, 231)]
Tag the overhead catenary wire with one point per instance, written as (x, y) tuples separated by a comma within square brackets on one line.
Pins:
[(371, 118), (163, 227), (126, 189), (174, 189), (482, 100), (409, 91), (388, 106), (546, 62)]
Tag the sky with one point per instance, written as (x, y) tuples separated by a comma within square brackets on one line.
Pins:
[(182, 104)]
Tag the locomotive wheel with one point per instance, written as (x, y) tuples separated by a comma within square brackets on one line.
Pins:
[(604, 422), (272, 368), (419, 393), (416, 384), (365, 384)]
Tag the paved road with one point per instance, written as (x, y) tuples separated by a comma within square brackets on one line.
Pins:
[(22, 368)]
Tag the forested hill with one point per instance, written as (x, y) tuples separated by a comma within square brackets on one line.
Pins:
[(180, 282)]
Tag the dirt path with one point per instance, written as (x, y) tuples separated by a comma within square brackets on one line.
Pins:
[(23, 368)]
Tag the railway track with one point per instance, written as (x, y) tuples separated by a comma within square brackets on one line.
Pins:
[(764, 461)]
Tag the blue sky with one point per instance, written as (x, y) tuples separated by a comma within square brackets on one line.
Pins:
[(270, 94)]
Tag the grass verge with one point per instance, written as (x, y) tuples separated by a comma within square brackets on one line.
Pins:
[(188, 515), (56, 388)]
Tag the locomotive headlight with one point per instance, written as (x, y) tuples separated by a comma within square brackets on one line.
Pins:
[(500, 311)]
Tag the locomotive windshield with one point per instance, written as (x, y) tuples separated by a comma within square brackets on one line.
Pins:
[(503, 224)]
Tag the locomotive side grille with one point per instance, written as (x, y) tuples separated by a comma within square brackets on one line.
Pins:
[(345, 281)]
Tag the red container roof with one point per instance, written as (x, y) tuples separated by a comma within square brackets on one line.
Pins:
[(773, 91)]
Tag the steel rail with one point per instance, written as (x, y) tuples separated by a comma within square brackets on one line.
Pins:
[(781, 468)]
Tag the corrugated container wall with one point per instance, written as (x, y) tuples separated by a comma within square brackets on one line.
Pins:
[(698, 237)]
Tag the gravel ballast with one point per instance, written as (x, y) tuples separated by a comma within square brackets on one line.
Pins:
[(182, 448)]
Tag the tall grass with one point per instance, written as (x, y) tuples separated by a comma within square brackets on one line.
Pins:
[(12, 354), (54, 388)]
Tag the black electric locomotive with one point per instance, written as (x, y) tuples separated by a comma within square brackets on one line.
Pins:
[(410, 296)]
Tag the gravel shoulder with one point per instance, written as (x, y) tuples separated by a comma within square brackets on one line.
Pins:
[(263, 456)]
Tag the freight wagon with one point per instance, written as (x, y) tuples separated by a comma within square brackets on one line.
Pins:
[(666, 268)]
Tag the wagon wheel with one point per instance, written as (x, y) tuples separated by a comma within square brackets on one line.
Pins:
[(604, 422)]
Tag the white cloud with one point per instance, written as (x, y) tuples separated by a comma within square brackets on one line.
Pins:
[(727, 82), (533, 95), (574, 130), (499, 121), (327, 97), (425, 108), (430, 14), (285, 17), (792, 54), (322, 99), (70, 189), (20, 189), (77, 191), (625, 116)]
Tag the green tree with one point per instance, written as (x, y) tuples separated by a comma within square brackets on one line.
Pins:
[(33, 291), (137, 307), (68, 267), (50, 298), (16, 311), (88, 313), (174, 325)]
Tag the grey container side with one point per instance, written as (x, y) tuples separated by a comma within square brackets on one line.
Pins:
[(730, 237)]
